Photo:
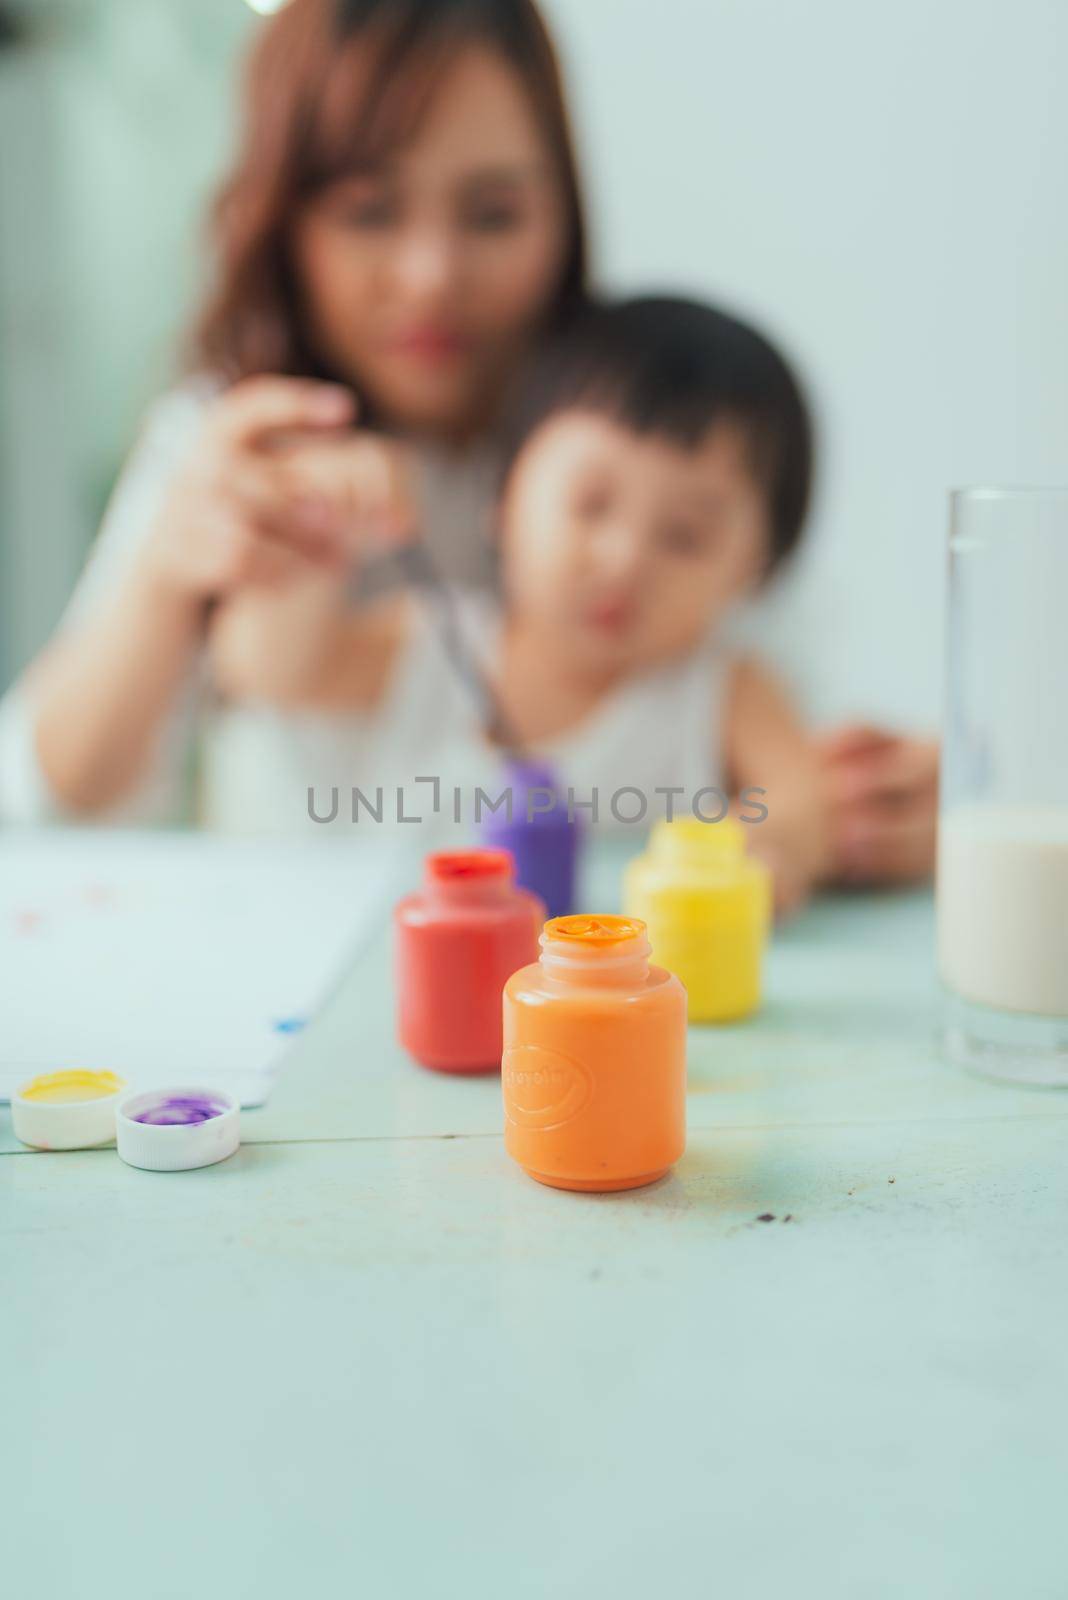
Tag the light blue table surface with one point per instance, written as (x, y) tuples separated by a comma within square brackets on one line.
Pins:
[(368, 1357)]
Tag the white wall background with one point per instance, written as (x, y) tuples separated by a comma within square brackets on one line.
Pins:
[(115, 117), (883, 186)]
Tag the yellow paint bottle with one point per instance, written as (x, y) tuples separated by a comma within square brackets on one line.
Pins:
[(707, 905)]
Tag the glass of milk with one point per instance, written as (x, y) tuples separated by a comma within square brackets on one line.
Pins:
[(1003, 826)]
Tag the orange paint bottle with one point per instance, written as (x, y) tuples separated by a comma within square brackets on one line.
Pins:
[(594, 1064)]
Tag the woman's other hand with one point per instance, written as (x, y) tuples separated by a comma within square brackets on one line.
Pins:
[(882, 801)]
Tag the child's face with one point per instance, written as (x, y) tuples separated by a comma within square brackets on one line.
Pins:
[(626, 547)]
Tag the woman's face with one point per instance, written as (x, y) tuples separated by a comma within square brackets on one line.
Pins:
[(423, 279)]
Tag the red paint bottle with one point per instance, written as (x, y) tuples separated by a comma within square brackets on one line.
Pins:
[(457, 942)]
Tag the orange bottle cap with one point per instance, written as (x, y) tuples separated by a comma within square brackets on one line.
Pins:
[(594, 930)]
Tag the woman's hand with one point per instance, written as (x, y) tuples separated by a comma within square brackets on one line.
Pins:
[(237, 514), (882, 801), (276, 501), (280, 485), (285, 631)]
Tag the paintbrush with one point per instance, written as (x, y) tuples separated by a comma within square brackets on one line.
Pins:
[(420, 570)]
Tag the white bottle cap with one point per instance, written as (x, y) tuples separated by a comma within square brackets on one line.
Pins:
[(173, 1130), (69, 1110)]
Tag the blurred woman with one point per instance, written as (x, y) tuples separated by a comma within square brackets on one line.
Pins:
[(402, 225), (403, 220)]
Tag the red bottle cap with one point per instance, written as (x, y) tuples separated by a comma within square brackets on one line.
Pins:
[(470, 874)]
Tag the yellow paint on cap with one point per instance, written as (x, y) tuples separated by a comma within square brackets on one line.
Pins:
[(70, 1087)]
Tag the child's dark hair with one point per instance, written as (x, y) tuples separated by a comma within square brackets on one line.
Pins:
[(675, 367)]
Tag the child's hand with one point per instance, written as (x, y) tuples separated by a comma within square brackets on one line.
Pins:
[(365, 480), (280, 484), (882, 801)]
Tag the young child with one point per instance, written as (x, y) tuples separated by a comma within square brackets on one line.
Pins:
[(658, 469)]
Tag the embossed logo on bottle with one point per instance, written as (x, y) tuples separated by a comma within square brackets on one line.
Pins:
[(542, 1088)]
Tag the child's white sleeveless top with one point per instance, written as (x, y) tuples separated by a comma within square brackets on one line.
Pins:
[(419, 761)]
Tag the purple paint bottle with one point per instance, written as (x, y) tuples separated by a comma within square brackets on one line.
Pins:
[(545, 843)]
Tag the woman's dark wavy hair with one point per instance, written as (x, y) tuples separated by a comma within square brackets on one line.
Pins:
[(674, 367), (337, 85)]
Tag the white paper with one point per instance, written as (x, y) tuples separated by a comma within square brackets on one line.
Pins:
[(175, 958)]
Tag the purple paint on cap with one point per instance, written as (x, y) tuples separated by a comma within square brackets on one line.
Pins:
[(180, 1110), (544, 843)]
